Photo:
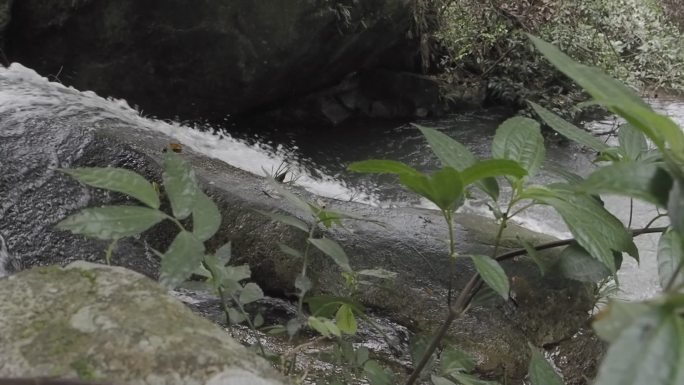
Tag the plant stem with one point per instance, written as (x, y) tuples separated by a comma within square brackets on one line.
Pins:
[(110, 250), (452, 257), (300, 303), (249, 321), (466, 295)]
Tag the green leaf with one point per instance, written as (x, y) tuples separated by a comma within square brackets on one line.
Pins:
[(592, 226), (286, 219), (568, 129), (290, 251), (455, 155), (250, 293), (237, 273), (418, 346), (616, 97), (111, 222), (181, 259), (675, 207), (468, 379), (626, 178), (491, 168), (437, 380), (376, 166), (455, 360), (632, 142), (616, 317), (290, 197), (492, 273), (258, 320), (119, 180), (376, 375), (670, 258), (326, 306), (180, 184), (520, 139), (324, 326), (235, 316), (378, 273), (449, 151), (206, 217), (569, 176), (534, 255), (576, 263), (345, 319), (224, 253), (333, 250), (648, 352), (541, 372), (444, 188)]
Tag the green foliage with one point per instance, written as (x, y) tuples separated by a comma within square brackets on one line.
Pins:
[(540, 371), (633, 40)]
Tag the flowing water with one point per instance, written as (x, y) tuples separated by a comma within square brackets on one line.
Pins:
[(317, 159)]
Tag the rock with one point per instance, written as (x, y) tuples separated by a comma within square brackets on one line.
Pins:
[(45, 125), (103, 323), (208, 58)]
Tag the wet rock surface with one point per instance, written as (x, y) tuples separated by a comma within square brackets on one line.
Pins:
[(207, 58), (45, 126), (103, 323)]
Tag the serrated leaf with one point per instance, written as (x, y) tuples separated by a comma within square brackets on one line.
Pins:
[(206, 217), (455, 360), (592, 226), (670, 259), (444, 188), (378, 273), (648, 352), (469, 379), (379, 166), (633, 143), (111, 222), (492, 273), (491, 168), (345, 319), (611, 321), (290, 197), (626, 178), (237, 273), (258, 320), (540, 371), (286, 219), (418, 346), (333, 250), (437, 380), (182, 258), (616, 97), (119, 180), (455, 155), (251, 292), (180, 184), (534, 255), (569, 130), (235, 316), (290, 251), (520, 139), (576, 263), (224, 253), (376, 375)]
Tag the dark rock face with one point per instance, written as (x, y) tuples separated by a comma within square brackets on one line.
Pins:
[(45, 126), (204, 58)]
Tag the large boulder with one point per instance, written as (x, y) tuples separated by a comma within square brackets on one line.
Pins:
[(46, 125), (205, 58), (97, 322)]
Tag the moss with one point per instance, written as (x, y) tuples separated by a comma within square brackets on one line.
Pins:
[(52, 269), (83, 369)]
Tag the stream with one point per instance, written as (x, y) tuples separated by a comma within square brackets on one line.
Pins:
[(317, 159)]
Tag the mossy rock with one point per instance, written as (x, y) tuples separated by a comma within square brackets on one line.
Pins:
[(96, 322)]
